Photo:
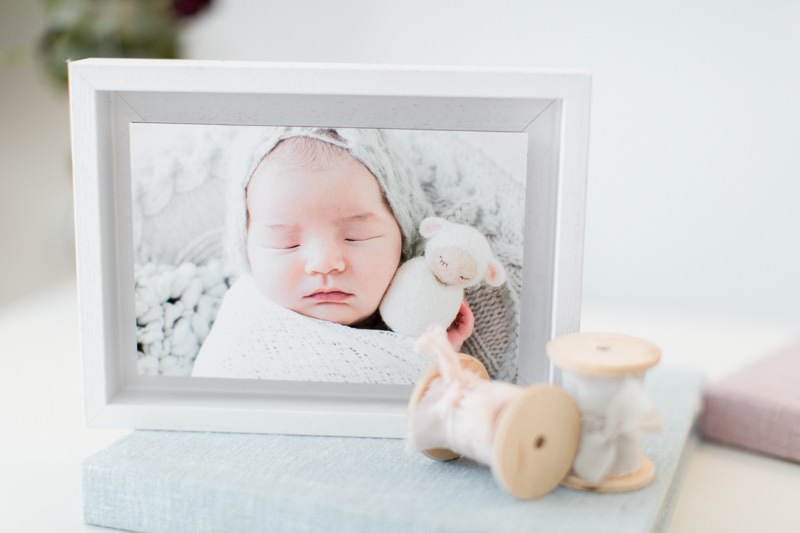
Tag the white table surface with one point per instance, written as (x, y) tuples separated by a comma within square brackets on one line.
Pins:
[(43, 439)]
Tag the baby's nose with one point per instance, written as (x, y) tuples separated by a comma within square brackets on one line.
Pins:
[(325, 257)]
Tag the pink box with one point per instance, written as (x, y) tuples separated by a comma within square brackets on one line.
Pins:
[(758, 407)]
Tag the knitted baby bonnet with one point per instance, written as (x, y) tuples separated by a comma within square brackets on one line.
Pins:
[(377, 150)]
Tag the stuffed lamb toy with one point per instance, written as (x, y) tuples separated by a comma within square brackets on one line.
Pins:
[(429, 289)]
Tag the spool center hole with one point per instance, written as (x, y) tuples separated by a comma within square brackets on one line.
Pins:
[(538, 443)]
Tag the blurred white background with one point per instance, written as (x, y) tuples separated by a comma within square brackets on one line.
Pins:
[(694, 176)]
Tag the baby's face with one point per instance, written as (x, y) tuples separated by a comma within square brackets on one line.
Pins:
[(321, 240)]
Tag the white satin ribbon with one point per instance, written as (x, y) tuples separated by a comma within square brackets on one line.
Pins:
[(611, 441)]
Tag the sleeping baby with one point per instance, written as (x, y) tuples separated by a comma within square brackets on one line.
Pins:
[(317, 228)]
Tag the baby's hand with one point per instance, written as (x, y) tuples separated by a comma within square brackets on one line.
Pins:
[(462, 326)]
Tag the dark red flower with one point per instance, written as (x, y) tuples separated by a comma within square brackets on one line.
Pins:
[(188, 8)]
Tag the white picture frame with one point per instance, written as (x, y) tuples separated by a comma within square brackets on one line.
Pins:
[(107, 95)]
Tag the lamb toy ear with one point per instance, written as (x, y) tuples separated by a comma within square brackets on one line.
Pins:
[(495, 273), (431, 226)]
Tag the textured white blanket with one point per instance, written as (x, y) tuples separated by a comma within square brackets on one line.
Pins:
[(257, 339)]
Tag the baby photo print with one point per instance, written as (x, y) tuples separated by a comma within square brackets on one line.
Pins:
[(321, 254)]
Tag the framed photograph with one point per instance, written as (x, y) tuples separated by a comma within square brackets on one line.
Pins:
[(239, 224)]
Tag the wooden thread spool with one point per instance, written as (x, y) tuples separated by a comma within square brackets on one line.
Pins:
[(604, 374), (527, 436)]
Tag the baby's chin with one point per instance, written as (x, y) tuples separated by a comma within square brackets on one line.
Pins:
[(342, 314)]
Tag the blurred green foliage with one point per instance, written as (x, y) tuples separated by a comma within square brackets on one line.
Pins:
[(78, 29)]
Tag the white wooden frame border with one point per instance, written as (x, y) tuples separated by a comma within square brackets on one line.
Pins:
[(107, 95)]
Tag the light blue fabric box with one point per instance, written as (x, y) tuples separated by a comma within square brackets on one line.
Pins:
[(176, 482)]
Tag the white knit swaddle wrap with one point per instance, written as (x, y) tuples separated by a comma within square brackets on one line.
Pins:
[(257, 339)]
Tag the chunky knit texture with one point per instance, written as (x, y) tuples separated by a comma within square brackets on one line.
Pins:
[(175, 309)]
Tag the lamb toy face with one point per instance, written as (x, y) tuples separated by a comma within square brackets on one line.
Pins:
[(429, 290), (452, 266), (459, 255)]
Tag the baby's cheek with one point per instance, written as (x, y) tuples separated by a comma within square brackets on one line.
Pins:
[(273, 275), (377, 269)]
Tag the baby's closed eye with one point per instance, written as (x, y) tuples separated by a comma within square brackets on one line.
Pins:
[(360, 235), (276, 237), (280, 246), (362, 239), (286, 247)]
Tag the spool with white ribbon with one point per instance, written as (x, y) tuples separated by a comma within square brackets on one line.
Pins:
[(527, 436), (604, 374)]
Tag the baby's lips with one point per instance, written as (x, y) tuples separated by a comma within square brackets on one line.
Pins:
[(329, 296)]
